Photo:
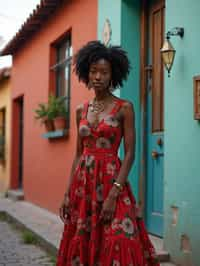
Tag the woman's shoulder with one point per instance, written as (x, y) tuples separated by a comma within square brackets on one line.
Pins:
[(125, 104), (80, 108)]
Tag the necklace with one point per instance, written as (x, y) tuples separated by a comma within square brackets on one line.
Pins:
[(97, 106)]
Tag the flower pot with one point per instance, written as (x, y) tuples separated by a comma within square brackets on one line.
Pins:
[(49, 125), (60, 123)]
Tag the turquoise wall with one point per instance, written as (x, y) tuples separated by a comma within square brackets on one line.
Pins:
[(124, 18), (182, 135), (130, 41), (110, 10), (182, 132)]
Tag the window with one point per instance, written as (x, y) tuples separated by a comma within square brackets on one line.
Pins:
[(62, 68), (2, 133)]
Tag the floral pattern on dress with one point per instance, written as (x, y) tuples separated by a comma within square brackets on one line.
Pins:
[(116, 263), (99, 191), (111, 121), (76, 261), (127, 226), (111, 168), (84, 131), (103, 143), (86, 239), (127, 200)]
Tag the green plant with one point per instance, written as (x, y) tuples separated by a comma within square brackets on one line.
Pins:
[(29, 237), (57, 106), (3, 216), (53, 259), (42, 112)]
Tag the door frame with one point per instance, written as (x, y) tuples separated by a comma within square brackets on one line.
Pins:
[(15, 143), (144, 72)]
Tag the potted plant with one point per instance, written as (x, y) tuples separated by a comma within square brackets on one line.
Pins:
[(2, 149), (44, 114), (58, 110)]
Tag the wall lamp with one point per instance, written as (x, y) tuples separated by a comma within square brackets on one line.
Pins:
[(168, 51)]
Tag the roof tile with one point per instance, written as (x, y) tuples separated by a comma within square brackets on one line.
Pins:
[(31, 25)]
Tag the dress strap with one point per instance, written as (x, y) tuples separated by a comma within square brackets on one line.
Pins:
[(118, 105), (85, 110)]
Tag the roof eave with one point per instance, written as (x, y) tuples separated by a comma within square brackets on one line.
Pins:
[(31, 25)]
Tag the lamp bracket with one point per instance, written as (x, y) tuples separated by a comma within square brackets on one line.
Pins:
[(177, 31)]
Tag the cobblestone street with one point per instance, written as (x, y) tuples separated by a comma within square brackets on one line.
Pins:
[(13, 252)]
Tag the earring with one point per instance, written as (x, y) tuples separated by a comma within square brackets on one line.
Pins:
[(111, 86), (89, 85)]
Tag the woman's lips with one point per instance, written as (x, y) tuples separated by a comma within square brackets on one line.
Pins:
[(97, 84)]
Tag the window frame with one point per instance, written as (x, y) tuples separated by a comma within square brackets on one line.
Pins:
[(56, 64)]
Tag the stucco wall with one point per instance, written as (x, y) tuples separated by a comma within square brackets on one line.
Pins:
[(5, 91), (46, 165), (130, 28), (182, 137)]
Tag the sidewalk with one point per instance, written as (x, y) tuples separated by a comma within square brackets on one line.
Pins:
[(46, 225)]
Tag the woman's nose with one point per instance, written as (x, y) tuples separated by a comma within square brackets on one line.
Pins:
[(97, 76)]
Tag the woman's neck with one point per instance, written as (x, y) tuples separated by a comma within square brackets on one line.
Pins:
[(100, 96)]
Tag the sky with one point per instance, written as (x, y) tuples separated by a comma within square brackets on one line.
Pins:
[(12, 16)]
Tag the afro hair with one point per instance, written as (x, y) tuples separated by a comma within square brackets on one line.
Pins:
[(94, 51)]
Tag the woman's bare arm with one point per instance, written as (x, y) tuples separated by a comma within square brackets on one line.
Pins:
[(128, 123)]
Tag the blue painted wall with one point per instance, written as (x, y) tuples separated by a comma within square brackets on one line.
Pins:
[(182, 132), (110, 10), (130, 41), (182, 135), (125, 23)]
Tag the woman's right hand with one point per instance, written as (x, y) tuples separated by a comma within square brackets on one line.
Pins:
[(64, 210)]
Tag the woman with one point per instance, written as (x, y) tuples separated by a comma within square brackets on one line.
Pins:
[(99, 210)]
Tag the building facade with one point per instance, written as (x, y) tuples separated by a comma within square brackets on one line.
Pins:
[(165, 174), (5, 131), (42, 65)]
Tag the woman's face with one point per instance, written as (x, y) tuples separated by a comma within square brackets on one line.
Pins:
[(100, 75)]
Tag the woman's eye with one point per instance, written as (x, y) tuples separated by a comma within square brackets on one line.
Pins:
[(92, 71)]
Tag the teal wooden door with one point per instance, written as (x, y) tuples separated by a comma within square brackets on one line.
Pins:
[(155, 121)]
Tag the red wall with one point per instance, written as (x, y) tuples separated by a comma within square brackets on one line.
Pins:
[(47, 164)]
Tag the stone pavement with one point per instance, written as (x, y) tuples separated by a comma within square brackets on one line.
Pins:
[(14, 252), (41, 222), (46, 225)]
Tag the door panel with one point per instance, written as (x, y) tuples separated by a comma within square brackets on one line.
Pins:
[(20, 169), (155, 123)]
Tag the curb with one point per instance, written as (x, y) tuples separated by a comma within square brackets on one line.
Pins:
[(42, 242)]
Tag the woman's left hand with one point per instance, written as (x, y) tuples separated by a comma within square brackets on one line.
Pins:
[(109, 205)]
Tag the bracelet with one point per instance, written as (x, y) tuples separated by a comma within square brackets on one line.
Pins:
[(118, 185)]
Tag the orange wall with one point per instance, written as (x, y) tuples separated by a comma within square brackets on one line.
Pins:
[(47, 164)]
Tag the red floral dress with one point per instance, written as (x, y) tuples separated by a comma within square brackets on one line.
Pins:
[(86, 240)]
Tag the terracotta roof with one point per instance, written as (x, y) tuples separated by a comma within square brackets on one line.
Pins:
[(31, 25), (5, 72)]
